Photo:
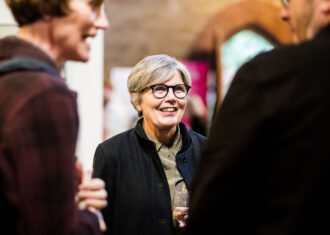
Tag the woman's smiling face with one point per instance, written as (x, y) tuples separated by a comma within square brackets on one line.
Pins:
[(70, 33), (165, 113)]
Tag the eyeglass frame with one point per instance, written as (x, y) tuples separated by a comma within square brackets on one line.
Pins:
[(168, 88)]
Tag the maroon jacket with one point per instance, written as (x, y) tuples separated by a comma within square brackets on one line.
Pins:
[(38, 133)]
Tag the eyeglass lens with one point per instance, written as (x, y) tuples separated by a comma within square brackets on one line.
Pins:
[(160, 91)]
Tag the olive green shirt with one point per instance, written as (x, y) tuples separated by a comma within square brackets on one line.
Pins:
[(167, 154)]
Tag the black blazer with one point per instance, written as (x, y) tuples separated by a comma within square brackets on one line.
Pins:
[(138, 194), (266, 166)]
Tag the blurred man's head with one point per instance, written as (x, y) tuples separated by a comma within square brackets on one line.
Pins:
[(306, 17)]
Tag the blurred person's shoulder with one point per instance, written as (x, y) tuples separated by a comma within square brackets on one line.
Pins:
[(279, 63)]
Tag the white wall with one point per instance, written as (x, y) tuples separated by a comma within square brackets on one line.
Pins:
[(87, 80), (7, 23), (5, 15)]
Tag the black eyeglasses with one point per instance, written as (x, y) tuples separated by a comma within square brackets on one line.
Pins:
[(285, 2), (180, 91)]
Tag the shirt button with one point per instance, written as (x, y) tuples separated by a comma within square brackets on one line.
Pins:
[(185, 159)]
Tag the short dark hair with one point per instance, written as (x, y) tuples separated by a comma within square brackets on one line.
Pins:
[(28, 11)]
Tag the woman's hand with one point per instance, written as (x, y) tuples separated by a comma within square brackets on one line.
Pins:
[(92, 196), (91, 193), (183, 224)]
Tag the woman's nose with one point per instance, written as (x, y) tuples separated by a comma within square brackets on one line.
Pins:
[(170, 94), (101, 21), (284, 14)]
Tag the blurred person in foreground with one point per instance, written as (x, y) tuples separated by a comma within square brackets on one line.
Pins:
[(266, 166), (39, 123), (145, 166)]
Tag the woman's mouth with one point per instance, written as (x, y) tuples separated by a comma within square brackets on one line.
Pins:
[(170, 109)]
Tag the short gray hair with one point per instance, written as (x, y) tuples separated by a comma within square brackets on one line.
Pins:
[(151, 70)]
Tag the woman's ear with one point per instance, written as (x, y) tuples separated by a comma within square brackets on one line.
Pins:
[(138, 106)]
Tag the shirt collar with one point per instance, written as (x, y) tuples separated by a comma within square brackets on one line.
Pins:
[(175, 145)]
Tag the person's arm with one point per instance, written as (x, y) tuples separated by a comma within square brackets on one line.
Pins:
[(91, 194), (102, 170), (221, 201), (41, 141)]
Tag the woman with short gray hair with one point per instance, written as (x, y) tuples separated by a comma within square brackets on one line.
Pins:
[(144, 167), (153, 70)]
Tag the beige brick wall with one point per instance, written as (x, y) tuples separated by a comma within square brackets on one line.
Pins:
[(143, 27)]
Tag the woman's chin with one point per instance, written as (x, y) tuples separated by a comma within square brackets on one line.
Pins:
[(168, 125)]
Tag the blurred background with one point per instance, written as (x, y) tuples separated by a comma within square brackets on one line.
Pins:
[(213, 38)]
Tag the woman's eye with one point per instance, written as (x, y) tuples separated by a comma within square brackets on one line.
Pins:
[(180, 89), (160, 88)]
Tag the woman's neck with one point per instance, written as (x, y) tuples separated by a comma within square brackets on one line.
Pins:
[(164, 136), (38, 33)]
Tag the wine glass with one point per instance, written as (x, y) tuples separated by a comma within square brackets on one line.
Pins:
[(180, 207)]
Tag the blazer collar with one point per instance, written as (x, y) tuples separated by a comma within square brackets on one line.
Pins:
[(139, 131)]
